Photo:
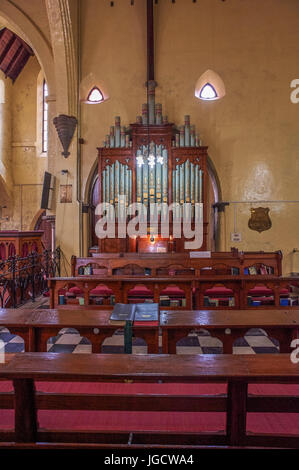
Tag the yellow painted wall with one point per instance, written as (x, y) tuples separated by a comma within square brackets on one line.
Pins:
[(252, 133)]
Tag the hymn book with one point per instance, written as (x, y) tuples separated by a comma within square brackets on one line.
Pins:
[(134, 312)]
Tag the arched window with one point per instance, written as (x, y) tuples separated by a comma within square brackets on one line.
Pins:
[(95, 95), (210, 86), (208, 92), (45, 119)]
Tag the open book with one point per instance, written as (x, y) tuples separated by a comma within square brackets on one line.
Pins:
[(134, 312), (146, 312)]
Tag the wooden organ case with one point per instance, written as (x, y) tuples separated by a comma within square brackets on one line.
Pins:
[(178, 175)]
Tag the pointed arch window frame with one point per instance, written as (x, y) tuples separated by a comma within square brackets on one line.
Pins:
[(208, 84), (95, 88)]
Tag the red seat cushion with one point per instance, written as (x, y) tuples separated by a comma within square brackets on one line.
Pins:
[(140, 291), (260, 290), (219, 291), (75, 291), (101, 291), (173, 292)]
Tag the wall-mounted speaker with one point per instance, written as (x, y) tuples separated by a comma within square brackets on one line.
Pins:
[(48, 190)]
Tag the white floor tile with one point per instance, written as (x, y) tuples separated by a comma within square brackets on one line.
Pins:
[(261, 341), (69, 339), (243, 350), (82, 348)]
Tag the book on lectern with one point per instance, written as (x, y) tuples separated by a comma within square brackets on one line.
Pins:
[(147, 312), (122, 313), (134, 312)]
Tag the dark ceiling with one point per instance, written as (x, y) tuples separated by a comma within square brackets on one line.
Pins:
[(14, 54)]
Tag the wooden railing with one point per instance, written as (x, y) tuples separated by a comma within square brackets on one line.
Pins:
[(220, 263), (236, 372)]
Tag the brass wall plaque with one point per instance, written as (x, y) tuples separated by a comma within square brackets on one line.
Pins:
[(260, 219)]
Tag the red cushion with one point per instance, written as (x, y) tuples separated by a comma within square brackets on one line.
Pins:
[(140, 291), (62, 292), (173, 292), (75, 291), (260, 290), (219, 291), (101, 291)]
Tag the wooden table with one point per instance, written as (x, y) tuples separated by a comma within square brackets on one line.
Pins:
[(228, 326), (37, 326)]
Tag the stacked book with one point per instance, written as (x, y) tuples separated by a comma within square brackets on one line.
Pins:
[(262, 270)]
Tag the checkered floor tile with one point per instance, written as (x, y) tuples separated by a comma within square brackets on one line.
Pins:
[(200, 342)]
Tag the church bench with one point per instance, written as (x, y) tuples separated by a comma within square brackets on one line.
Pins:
[(37, 326), (124, 288), (231, 292), (230, 392), (229, 326)]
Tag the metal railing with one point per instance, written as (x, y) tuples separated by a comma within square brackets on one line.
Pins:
[(24, 278)]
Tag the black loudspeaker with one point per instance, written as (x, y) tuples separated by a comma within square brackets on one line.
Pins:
[(48, 189)]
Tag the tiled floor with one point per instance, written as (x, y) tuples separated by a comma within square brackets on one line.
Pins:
[(199, 342)]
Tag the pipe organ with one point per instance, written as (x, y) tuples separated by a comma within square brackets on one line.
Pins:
[(153, 161)]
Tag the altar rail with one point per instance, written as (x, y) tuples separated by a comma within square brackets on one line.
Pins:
[(24, 278), (238, 374), (220, 263), (177, 292)]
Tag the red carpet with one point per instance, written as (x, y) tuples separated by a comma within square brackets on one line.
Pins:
[(286, 423)]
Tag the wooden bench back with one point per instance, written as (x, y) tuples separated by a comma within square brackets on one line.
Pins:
[(235, 371)]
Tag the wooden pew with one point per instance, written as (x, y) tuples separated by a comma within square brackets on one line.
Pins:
[(238, 372), (37, 326), (92, 324), (194, 288), (228, 326)]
